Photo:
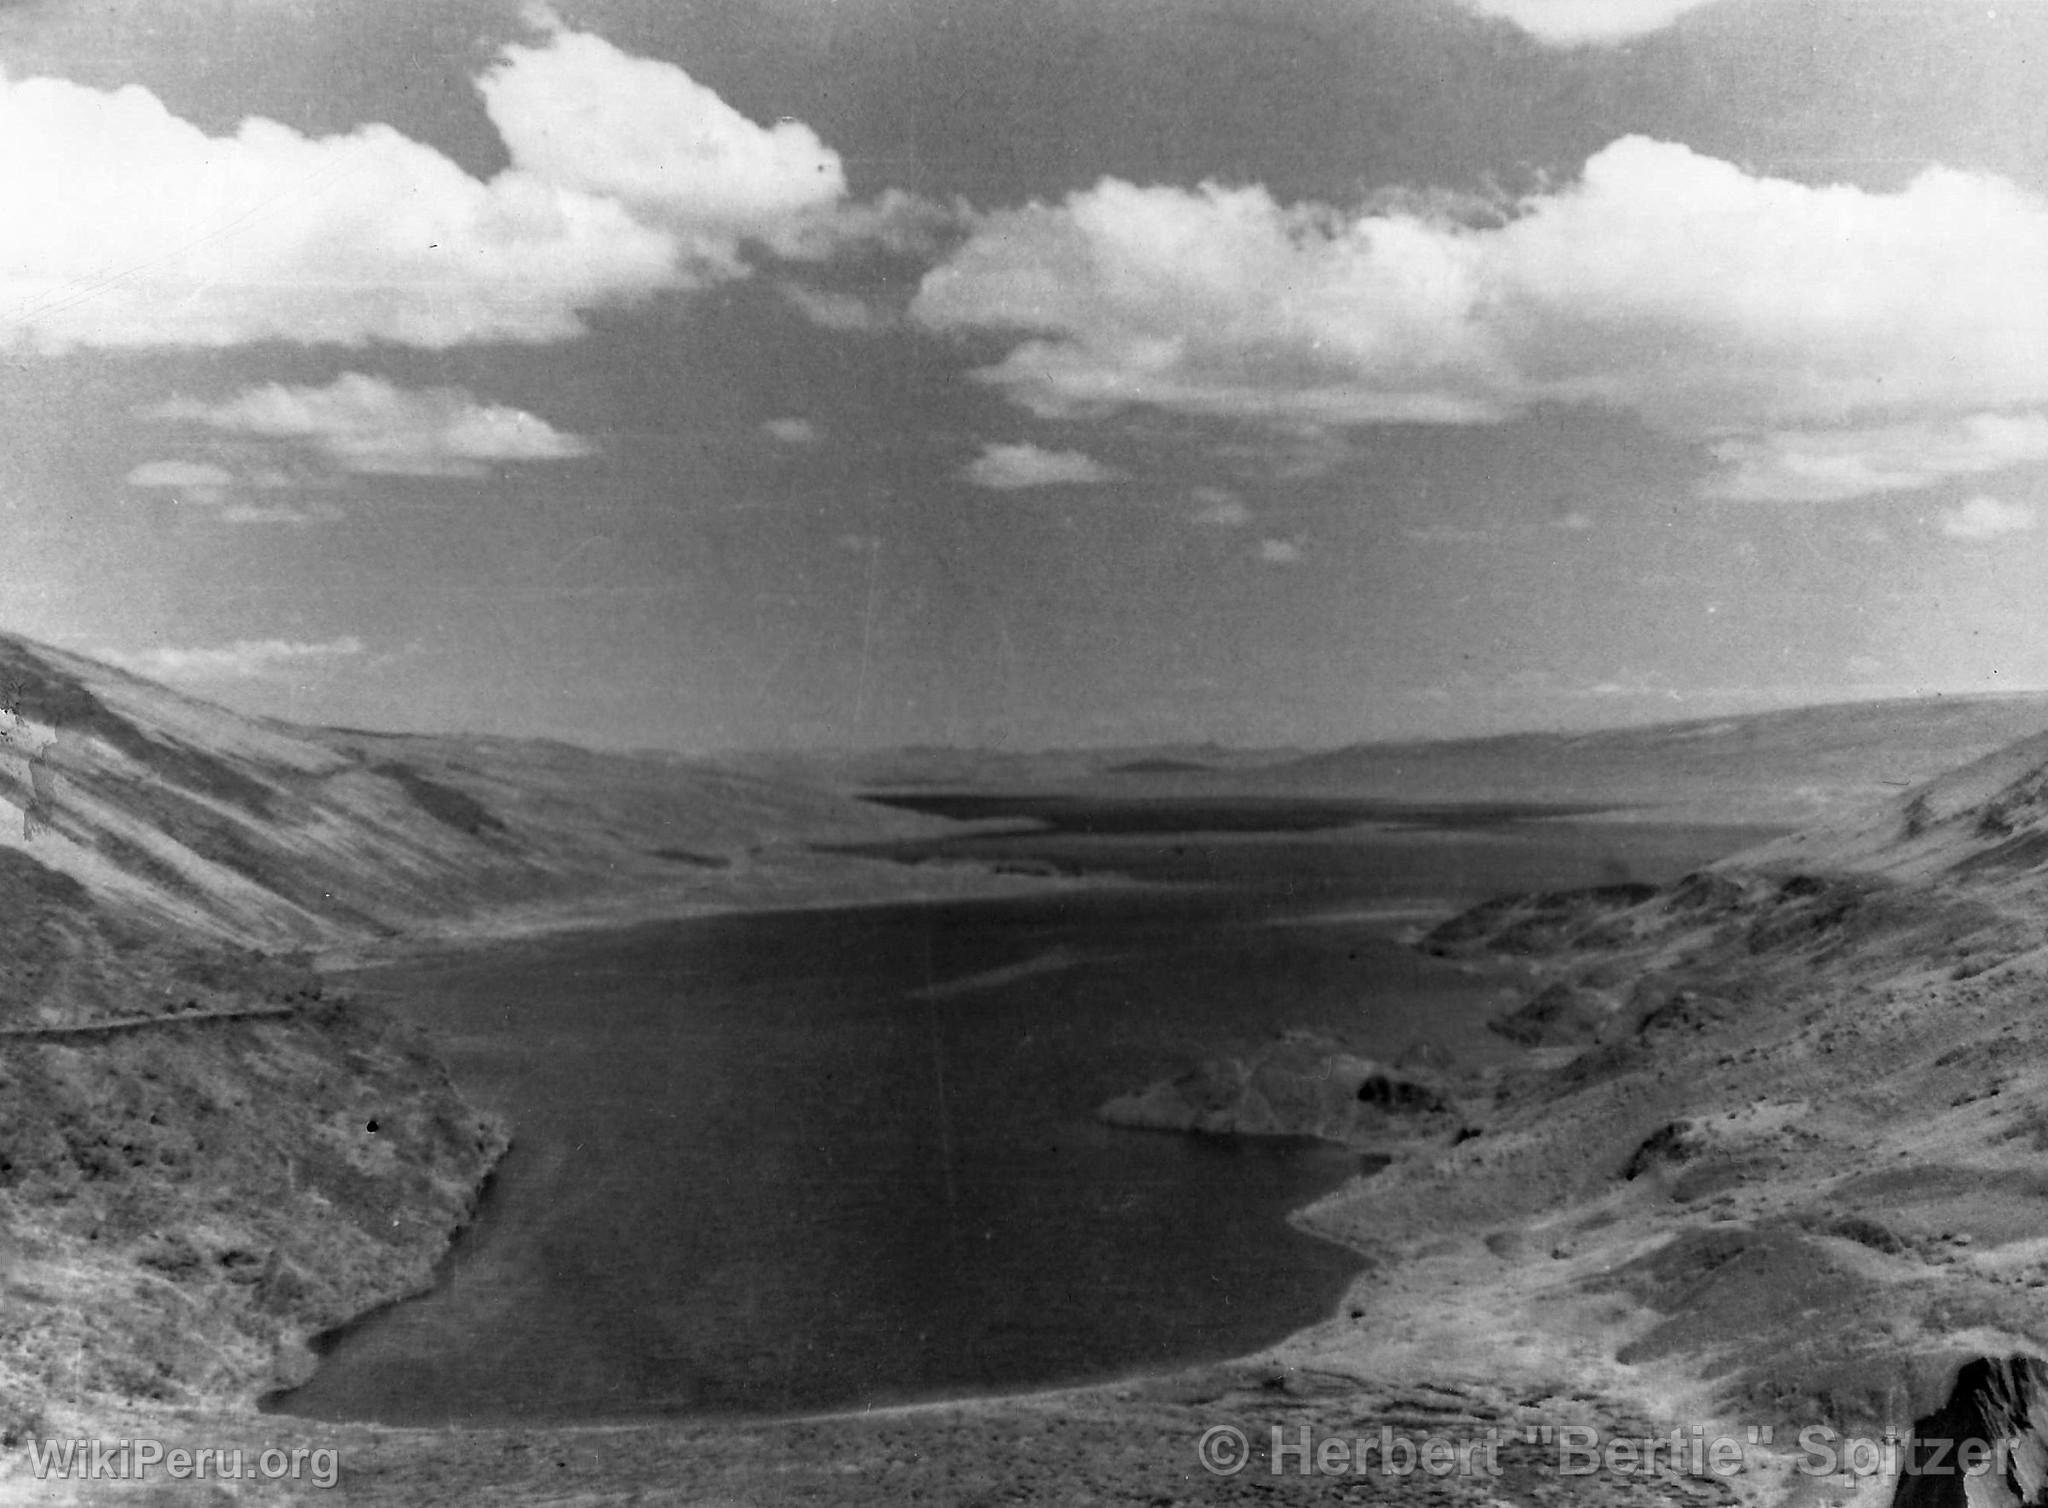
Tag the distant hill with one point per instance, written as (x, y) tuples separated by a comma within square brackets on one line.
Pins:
[(947, 768), (1792, 768), (1770, 769), (258, 832)]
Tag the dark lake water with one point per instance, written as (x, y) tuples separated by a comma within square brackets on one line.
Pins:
[(813, 1159)]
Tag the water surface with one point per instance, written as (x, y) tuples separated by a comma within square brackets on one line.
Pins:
[(802, 1160)]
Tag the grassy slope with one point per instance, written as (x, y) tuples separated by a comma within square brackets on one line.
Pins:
[(255, 832)]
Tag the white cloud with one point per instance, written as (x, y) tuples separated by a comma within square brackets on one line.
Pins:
[(1281, 551), (1579, 22), (1221, 509), (276, 513), (367, 425), (1218, 300), (244, 659), (1746, 311), (1013, 466), (197, 480), (122, 225), (1982, 518), (211, 487), (791, 431), (1823, 465), (578, 113)]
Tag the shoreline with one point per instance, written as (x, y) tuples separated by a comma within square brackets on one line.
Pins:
[(1388, 1149), (551, 921), (1278, 1373)]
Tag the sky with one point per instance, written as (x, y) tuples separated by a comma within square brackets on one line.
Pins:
[(716, 374)]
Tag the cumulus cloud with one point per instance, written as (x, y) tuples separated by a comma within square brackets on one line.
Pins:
[(123, 225), (791, 431), (370, 426), (244, 659), (1754, 313), (1009, 467), (1282, 552), (578, 113), (1982, 518), (1573, 23)]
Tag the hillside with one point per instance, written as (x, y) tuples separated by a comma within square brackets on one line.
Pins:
[(207, 1156), (205, 1159), (1774, 1155), (178, 812)]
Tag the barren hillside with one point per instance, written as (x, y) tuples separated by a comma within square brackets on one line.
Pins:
[(171, 809), (1775, 1155)]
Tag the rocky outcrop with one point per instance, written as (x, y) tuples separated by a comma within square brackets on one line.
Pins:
[(1987, 1445), (1299, 1085)]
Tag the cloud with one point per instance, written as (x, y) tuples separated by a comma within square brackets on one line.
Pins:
[(370, 426), (837, 311), (244, 659), (578, 113), (791, 431), (123, 225), (1281, 551), (1982, 518), (210, 487), (1574, 522), (894, 221), (1823, 465), (195, 479), (1220, 509), (1013, 466), (1579, 22), (276, 513), (1714, 304)]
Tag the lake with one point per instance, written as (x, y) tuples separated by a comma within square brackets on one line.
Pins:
[(817, 1159)]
